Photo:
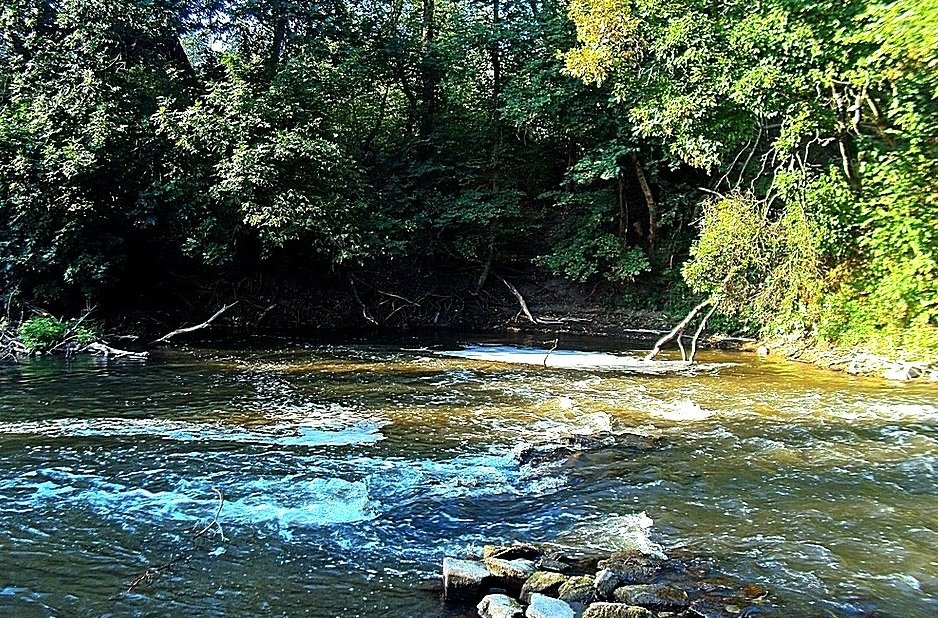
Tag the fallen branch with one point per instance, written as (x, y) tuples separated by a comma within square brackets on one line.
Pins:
[(678, 331), (190, 329), (700, 328), (521, 301), (365, 313), (555, 342), (109, 352), (148, 576)]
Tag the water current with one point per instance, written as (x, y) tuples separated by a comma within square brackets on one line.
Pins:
[(349, 471)]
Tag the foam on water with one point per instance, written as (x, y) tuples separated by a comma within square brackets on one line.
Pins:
[(572, 359), (617, 533), (308, 432), (682, 410)]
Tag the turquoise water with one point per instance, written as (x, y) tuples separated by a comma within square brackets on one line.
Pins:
[(349, 471)]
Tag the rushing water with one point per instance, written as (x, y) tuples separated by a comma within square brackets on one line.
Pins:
[(349, 471)]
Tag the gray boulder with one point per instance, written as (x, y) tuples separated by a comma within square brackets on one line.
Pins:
[(542, 582), (606, 582), (500, 606), (511, 552), (512, 571), (464, 580), (616, 610), (577, 590), (545, 607), (656, 596)]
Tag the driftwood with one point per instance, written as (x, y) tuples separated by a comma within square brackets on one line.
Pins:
[(553, 347), (109, 352), (148, 576), (700, 329), (521, 301), (190, 329), (678, 331)]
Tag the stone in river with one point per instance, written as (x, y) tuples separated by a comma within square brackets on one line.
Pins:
[(545, 607), (511, 552), (616, 610), (578, 590), (500, 606), (464, 580), (543, 582), (658, 597), (518, 569), (606, 582), (550, 564)]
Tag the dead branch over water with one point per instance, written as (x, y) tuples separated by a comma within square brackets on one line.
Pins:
[(181, 554)]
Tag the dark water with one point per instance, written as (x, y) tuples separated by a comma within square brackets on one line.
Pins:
[(349, 472)]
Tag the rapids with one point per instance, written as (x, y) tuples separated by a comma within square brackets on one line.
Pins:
[(350, 470)]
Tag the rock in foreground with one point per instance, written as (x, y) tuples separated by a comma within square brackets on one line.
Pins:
[(545, 607), (500, 606)]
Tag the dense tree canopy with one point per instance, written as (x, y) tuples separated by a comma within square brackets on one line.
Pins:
[(781, 155)]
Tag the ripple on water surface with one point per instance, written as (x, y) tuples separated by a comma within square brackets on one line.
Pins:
[(348, 472)]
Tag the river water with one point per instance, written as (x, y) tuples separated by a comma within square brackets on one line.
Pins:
[(349, 471)]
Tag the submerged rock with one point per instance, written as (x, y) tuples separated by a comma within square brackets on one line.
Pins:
[(616, 610), (658, 597), (499, 606), (545, 607), (542, 582), (577, 590), (464, 580)]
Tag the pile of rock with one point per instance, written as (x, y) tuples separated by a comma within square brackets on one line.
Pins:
[(524, 581)]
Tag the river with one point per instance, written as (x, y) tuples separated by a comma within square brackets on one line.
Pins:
[(349, 470)]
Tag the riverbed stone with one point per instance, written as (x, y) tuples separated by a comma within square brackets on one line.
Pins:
[(511, 573), (499, 606), (631, 567), (542, 582), (511, 552), (605, 583), (578, 590), (655, 596), (551, 564), (616, 610), (464, 580), (546, 607), (512, 570)]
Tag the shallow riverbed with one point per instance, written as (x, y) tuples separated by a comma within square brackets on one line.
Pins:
[(349, 471)]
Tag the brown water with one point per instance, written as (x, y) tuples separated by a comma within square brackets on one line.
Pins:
[(349, 471)]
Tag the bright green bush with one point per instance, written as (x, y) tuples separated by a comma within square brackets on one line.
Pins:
[(42, 333)]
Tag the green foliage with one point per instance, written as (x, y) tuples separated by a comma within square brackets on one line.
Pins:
[(42, 333), (140, 138)]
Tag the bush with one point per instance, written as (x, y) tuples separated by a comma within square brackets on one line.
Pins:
[(42, 333)]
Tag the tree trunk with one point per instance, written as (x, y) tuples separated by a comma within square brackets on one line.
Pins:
[(650, 201), (428, 71)]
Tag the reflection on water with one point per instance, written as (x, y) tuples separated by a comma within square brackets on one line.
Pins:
[(349, 471)]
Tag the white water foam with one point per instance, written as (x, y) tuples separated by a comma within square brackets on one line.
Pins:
[(305, 433), (572, 359), (682, 410), (617, 533)]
